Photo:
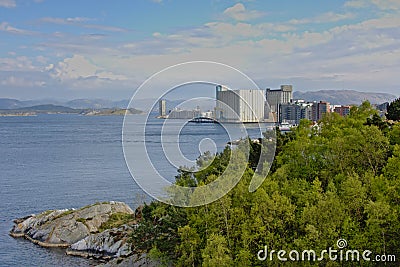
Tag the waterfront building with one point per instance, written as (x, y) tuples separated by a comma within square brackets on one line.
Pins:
[(239, 105), (162, 108), (182, 114)]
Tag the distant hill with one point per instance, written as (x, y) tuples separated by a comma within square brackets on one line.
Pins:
[(344, 97), (49, 108), (54, 109), (7, 103)]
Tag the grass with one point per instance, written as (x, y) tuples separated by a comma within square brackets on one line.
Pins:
[(65, 213), (81, 220), (45, 213), (116, 220)]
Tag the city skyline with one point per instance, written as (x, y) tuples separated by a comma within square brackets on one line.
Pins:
[(96, 49)]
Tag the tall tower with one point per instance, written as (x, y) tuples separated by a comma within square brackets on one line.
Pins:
[(162, 107)]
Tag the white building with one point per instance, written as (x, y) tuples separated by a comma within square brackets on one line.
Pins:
[(162, 107), (239, 105)]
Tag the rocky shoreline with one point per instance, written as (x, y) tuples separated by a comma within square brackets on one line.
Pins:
[(99, 231)]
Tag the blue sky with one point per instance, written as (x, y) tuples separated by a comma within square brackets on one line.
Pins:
[(106, 49)]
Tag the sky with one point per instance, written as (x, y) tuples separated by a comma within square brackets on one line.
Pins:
[(107, 49)]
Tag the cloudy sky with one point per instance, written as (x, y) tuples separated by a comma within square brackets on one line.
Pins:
[(106, 49)]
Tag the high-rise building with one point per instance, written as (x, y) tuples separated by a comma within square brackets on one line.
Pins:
[(239, 105), (275, 98), (342, 110), (295, 111), (319, 109), (162, 107), (323, 108)]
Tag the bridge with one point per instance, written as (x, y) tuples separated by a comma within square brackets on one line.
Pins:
[(203, 120)]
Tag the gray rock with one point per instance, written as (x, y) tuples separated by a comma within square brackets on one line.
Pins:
[(61, 228), (111, 242), (136, 260)]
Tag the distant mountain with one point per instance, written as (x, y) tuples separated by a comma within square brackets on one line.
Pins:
[(49, 108), (344, 97), (7, 103)]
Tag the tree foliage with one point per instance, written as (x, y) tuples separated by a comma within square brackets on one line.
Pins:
[(393, 110), (338, 180)]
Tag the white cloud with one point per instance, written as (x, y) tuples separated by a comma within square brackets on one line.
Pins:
[(362, 55), (327, 17), (41, 59), (79, 67), (234, 30), (81, 22), (6, 27), (266, 51), (240, 13), (17, 63), (156, 34), (8, 3), (18, 81), (105, 28), (65, 20), (385, 5), (356, 3)]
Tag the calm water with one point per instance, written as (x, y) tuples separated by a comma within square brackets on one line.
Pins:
[(69, 161)]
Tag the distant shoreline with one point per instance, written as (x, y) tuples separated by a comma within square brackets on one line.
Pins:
[(27, 114), (50, 109)]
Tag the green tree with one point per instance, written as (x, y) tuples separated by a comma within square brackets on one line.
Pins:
[(393, 110), (188, 247), (216, 252), (338, 180), (394, 134)]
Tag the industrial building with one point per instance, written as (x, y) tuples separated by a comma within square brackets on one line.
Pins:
[(239, 105)]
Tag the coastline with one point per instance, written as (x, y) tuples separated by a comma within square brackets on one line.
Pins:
[(99, 231)]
